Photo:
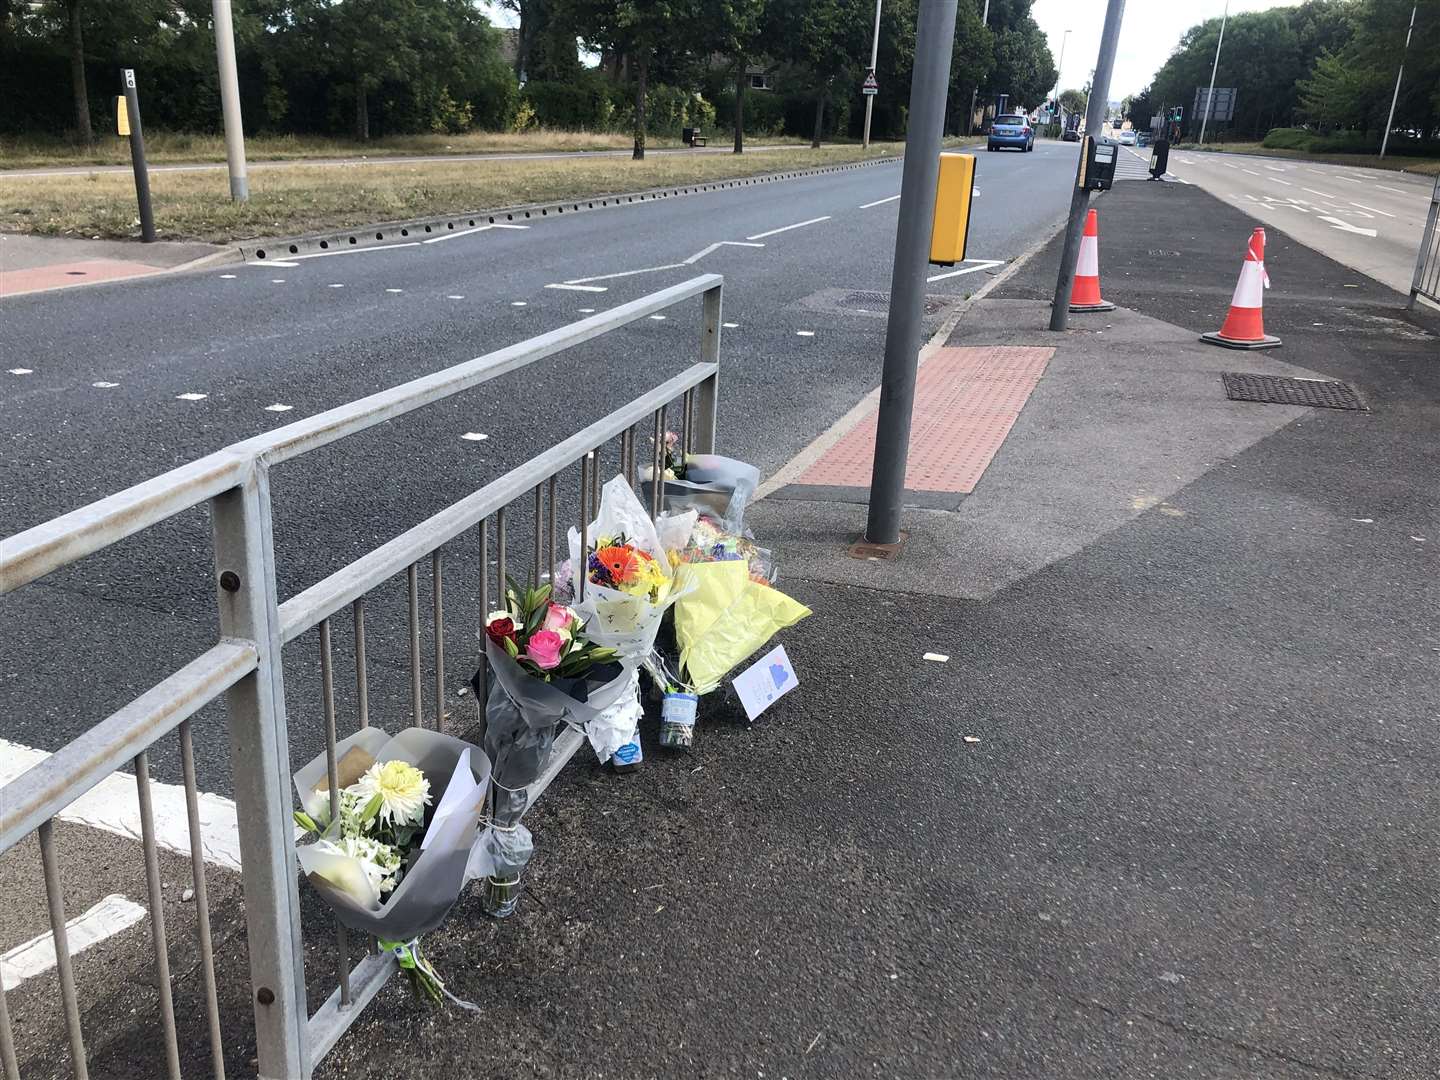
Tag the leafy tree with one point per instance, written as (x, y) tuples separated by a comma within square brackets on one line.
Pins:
[(825, 39), (731, 28)]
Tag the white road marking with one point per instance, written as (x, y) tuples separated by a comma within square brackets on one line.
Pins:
[(228, 277), (1317, 172), (1347, 179), (277, 281), (1252, 172), (22, 371), (337, 285), (1324, 194), (191, 396), (1293, 205), (1186, 161), (878, 202), (1357, 213), (731, 325), (109, 917), (1345, 226), (624, 273), (723, 243), (586, 310), (787, 228), (272, 262), (104, 385), (983, 264), (658, 318), (804, 333), (394, 290), (1373, 210), (1397, 191), (454, 296), (1252, 198), (577, 288), (113, 806), (1277, 180), (353, 251), (504, 225), (474, 436), (1228, 165), (518, 303), (457, 235), (277, 407), (1274, 168)]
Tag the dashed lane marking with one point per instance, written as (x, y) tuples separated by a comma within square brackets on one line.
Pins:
[(1322, 194), (586, 310), (1277, 180), (878, 202), (658, 318), (519, 303), (474, 436), (787, 228), (337, 285), (104, 385), (395, 290), (22, 371), (277, 281), (227, 277), (286, 264), (191, 396), (1382, 213), (1347, 179), (1252, 172), (277, 407), (731, 325), (454, 296), (112, 915), (804, 333), (1397, 191), (578, 288)]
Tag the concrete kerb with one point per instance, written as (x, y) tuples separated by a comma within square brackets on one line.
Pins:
[(796, 466), (279, 249)]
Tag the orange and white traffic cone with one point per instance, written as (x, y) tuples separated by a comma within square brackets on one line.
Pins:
[(1245, 325), (1085, 293)]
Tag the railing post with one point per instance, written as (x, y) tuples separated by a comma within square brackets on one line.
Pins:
[(707, 394), (260, 753), (1429, 250)]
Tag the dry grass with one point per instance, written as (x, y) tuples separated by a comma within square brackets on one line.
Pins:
[(1395, 163), (291, 200), (164, 147)]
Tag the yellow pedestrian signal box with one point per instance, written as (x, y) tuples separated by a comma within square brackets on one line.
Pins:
[(122, 117), (952, 208)]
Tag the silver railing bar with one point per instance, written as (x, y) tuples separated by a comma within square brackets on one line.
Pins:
[(41, 792), (202, 902), (565, 745), (332, 1020), (157, 915), (324, 598), (46, 547), (55, 904), (437, 604)]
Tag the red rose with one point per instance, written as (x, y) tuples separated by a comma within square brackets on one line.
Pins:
[(500, 629)]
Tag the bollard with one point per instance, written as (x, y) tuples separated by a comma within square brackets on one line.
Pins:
[(137, 157)]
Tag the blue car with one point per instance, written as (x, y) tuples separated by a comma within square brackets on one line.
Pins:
[(1011, 130)]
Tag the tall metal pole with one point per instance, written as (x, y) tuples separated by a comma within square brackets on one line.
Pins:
[(1080, 198), (970, 120), (1059, 76), (230, 102), (137, 156), (1390, 120), (1210, 94), (929, 85), (874, 58)]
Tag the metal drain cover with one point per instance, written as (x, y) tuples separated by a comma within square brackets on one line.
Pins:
[(1278, 390), (871, 301)]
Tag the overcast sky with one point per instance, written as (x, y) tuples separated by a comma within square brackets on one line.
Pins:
[(1150, 30)]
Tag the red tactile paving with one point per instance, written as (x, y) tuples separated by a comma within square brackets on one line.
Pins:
[(15, 282), (966, 401)]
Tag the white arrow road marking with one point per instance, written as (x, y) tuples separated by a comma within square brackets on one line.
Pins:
[(787, 228), (1372, 209), (982, 264), (470, 232), (37, 956), (878, 202), (1345, 226)]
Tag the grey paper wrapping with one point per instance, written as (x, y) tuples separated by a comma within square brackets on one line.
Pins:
[(433, 882), (718, 487)]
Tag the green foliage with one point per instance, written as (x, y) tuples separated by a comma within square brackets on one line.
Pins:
[(1345, 142), (585, 104), (764, 111)]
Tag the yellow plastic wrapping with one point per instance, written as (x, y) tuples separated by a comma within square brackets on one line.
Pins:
[(724, 618)]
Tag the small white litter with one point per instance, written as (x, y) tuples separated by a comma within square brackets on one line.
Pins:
[(937, 657)]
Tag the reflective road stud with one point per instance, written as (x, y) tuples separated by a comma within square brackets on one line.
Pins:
[(1245, 327), (1085, 295)]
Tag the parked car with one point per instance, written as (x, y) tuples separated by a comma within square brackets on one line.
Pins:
[(1127, 138), (1142, 139), (1070, 135), (1011, 130)]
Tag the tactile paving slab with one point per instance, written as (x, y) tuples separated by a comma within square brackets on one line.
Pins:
[(15, 282), (966, 401), (1279, 390)]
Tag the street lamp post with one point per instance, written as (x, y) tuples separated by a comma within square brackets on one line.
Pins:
[(874, 58), (230, 102), (1390, 120), (1059, 78), (1210, 94)]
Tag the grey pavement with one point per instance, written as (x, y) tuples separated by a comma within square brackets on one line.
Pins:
[(22, 252)]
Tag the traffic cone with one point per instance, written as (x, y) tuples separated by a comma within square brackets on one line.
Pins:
[(1085, 294), (1245, 326)]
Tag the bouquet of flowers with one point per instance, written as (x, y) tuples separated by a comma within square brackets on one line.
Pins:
[(628, 588), (726, 609), (547, 672), (715, 486), (389, 854)]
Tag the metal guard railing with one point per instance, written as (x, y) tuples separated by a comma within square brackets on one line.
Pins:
[(1427, 263), (247, 666)]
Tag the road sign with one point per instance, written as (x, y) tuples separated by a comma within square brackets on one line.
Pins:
[(1222, 104), (871, 87)]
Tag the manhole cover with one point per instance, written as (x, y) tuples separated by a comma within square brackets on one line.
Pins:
[(870, 300), (1276, 390)]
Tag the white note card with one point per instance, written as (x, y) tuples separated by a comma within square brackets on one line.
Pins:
[(765, 682)]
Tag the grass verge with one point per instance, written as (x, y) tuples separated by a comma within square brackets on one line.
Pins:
[(292, 200), (176, 148), (1394, 163)]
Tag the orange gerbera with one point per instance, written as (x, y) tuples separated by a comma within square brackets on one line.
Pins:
[(620, 562)]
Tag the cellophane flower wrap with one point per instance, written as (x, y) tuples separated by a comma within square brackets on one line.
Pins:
[(629, 585), (536, 686), (727, 608), (393, 861), (714, 486)]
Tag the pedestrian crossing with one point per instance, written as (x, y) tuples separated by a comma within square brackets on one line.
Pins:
[(1129, 165)]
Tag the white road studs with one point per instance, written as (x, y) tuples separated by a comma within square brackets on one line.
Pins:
[(191, 396), (394, 290), (731, 325), (277, 281), (474, 436), (658, 318), (22, 371), (519, 303), (454, 296), (337, 285), (104, 385), (227, 277), (277, 407), (804, 333)]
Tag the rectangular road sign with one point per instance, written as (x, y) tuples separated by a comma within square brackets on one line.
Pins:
[(1222, 104)]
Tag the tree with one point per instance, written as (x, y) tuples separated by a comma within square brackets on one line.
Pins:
[(730, 28), (825, 39), (77, 72)]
